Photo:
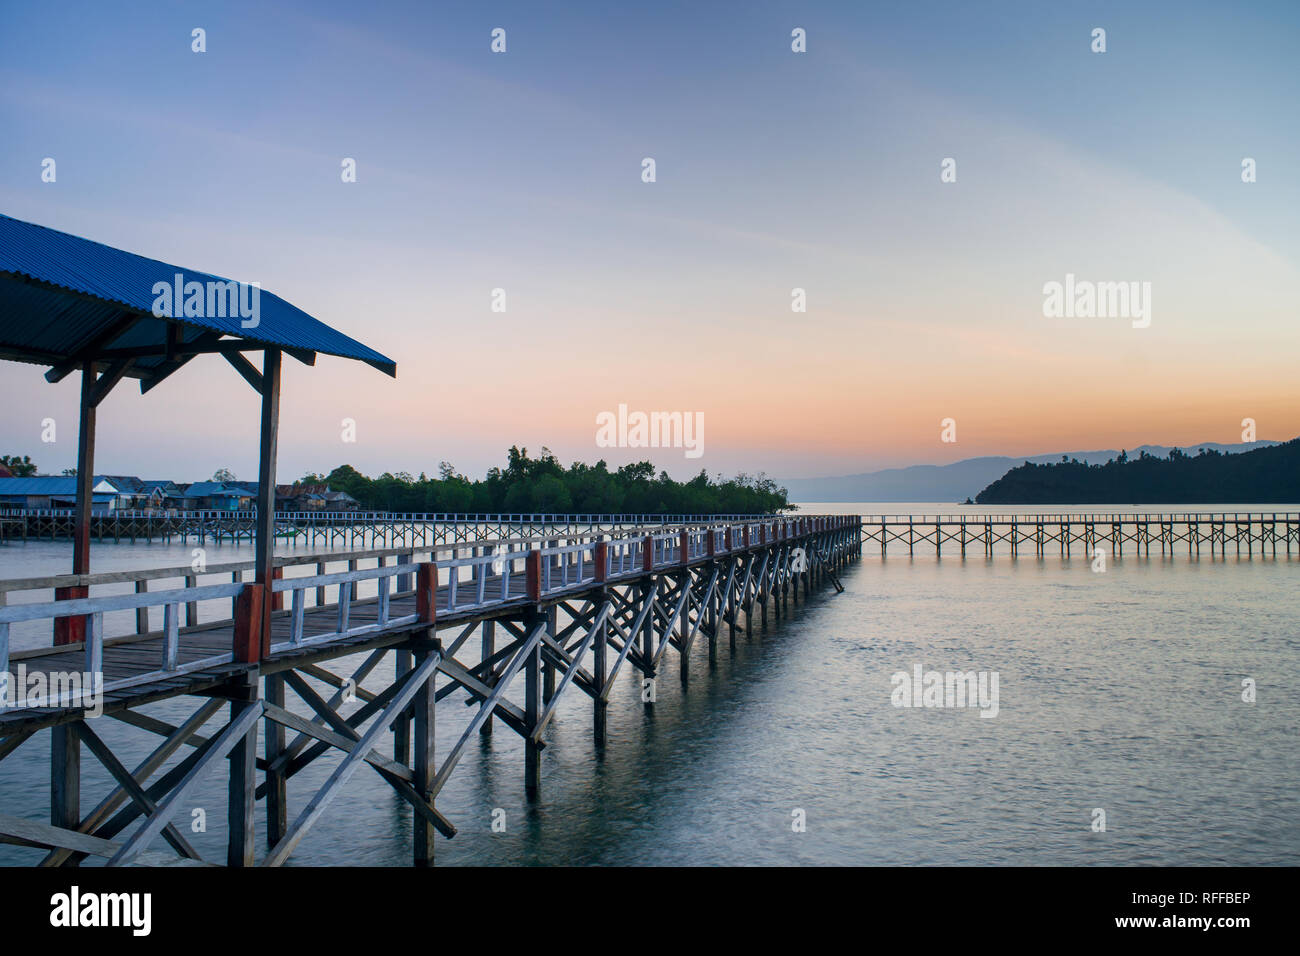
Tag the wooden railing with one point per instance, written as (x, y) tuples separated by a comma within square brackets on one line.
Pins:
[(381, 516), (93, 610), (483, 577)]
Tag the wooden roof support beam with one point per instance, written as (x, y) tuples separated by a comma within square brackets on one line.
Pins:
[(111, 376), (91, 349), (180, 349), (245, 368), (167, 368)]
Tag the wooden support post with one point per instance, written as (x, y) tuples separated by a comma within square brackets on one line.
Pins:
[(600, 663), (489, 648), (264, 541), (240, 815), (65, 779), (425, 767), (647, 633), (402, 725), (548, 667), (72, 630), (532, 706), (709, 615), (731, 607), (277, 808)]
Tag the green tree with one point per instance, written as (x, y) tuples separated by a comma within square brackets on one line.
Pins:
[(22, 467)]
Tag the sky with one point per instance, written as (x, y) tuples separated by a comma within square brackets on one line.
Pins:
[(774, 170)]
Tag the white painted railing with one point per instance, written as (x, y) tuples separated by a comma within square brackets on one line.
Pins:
[(488, 580), (345, 582), (93, 610), (565, 566)]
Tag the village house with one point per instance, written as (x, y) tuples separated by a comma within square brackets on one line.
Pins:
[(160, 496), (60, 491)]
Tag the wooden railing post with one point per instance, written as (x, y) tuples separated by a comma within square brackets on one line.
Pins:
[(648, 553), (277, 597), (533, 575), (250, 644), (70, 629), (426, 592), (602, 560), (686, 547)]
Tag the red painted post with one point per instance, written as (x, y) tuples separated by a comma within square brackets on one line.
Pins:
[(745, 537), (533, 574), (250, 644), (70, 630), (426, 592), (686, 547), (726, 539), (277, 597), (709, 538), (602, 560), (648, 553)]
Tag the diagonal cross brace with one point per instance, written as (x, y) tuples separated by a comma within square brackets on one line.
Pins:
[(569, 673), (487, 707), (221, 746), (344, 771)]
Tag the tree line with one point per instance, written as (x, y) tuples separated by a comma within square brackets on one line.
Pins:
[(1263, 476), (543, 485)]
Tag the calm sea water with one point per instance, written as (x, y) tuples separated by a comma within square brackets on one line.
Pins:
[(1119, 691)]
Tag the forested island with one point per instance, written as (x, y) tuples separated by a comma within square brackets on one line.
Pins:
[(1265, 475), (543, 485)]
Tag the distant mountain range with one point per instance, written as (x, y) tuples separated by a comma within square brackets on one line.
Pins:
[(967, 478)]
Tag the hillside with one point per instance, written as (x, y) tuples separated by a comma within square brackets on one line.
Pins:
[(956, 481), (1266, 475)]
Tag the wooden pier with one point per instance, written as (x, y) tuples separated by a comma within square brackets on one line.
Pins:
[(509, 627), (1248, 533), (346, 529)]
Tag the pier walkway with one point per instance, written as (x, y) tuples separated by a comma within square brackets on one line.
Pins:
[(507, 625)]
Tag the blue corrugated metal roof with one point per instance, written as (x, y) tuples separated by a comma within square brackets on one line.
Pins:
[(63, 292), (215, 489), (164, 485), (46, 485)]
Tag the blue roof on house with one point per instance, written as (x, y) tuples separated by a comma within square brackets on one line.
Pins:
[(45, 485), (215, 489), (126, 484), (149, 485), (61, 295)]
